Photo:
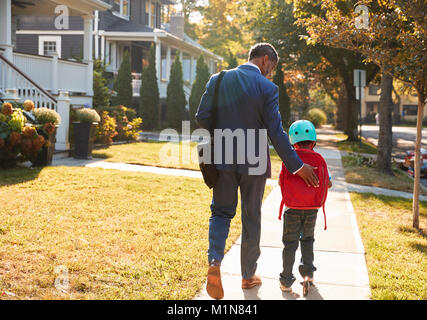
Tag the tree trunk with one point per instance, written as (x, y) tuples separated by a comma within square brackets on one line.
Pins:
[(385, 139), (352, 111), (342, 104), (416, 203)]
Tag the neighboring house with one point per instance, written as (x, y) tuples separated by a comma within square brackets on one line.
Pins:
[(405, 106), (130, 25), (43, 75)]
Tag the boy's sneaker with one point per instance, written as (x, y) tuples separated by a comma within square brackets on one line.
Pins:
[(214, 284), (308, 282), (285, 289)]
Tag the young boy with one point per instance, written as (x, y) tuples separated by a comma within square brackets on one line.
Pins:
[(302, 204)]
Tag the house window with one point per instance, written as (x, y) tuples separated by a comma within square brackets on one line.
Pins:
[(48, 45), (410, 109), (186, 67), (121, 8), (374, 90), (150, 9), (164, 63)]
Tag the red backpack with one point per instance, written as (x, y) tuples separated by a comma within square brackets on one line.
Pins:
[(296, 194)]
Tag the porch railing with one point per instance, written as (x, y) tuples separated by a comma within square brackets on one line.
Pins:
[(54, 74), (136, 84), (11, 77)]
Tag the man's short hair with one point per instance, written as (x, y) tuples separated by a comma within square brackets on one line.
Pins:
[(263, 49)]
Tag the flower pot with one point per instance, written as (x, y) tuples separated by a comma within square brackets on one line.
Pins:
[(45, 156), (84, 137)]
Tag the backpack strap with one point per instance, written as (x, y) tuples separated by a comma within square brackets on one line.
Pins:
[(324, 216), (326, 178)]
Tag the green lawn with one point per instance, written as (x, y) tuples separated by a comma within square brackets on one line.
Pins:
[(121, 235), (164, 154), (354, 146), (395, 252), (364, 174)]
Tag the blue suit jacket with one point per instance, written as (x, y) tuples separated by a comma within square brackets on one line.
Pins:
[(247, 100)]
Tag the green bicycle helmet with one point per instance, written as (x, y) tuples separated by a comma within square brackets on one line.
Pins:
[(302, 130)]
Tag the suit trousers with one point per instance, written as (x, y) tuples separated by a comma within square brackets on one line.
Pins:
[(223, 209)]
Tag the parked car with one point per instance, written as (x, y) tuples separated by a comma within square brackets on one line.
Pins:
[(408, 162)]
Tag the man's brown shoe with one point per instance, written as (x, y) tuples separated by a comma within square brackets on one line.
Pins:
[(252, 282), (214, 285)]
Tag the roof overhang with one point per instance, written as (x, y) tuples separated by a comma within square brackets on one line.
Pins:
[(47, 7), (164, 37)]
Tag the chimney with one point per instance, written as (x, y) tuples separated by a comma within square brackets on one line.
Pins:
[(177, 26)]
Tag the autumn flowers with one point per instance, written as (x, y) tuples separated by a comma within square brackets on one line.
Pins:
[(19, 140)]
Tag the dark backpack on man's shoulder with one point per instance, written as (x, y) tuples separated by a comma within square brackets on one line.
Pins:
[(209, 172)]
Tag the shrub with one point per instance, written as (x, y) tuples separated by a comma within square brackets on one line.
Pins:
[(123, 83), (101, 94), (45, 115), (132, 131), (20, 141), (317, 117), (175, 99), (87, 115), (107, 129), (150, 97), (126, 125), (198, 88)]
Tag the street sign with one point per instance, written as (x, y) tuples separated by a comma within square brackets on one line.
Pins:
[(359, 78), (359, 81)]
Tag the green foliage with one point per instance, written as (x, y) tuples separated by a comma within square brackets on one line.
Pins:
[(117, 111), (106, 130), (119, 124), (16, 121), (87, 115), (222, 28), (232, 62), (317, 117), (312, 62), (175, 96), (149, 95), (101, 94), (198, 88), (133, 129), (45, 115), (284, 101), (123, 83)]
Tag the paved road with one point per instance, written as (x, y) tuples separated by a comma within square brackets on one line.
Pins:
[(403, 138)]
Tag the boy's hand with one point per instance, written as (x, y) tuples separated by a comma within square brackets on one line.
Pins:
[(329, 184), (308, 175)]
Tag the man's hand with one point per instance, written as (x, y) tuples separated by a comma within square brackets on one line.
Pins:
[(308, 175)]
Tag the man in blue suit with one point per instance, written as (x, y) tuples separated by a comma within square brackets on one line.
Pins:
[(247, 107)]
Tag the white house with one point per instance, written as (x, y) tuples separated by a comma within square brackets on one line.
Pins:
[(129, 25), (46, 78)]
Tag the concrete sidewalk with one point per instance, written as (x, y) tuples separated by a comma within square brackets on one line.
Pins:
[(339, 253)]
